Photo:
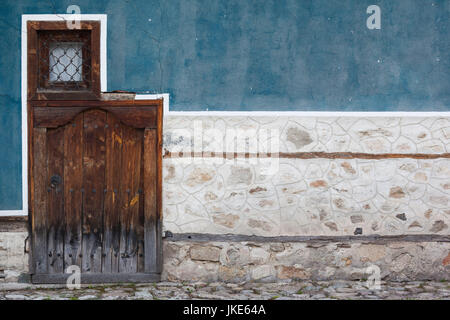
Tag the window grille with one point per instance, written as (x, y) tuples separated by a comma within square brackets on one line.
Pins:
[(65, 61)]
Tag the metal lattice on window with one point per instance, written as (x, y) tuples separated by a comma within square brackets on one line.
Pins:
[(64, 60)]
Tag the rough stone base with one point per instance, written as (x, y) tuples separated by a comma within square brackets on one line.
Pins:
[(266, 262), (246, 261), (13, 259)]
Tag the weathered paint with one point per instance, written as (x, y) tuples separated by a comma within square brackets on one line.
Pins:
[(249, 55)]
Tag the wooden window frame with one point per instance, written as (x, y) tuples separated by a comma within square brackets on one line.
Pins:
[(44, 68), (40, 89)]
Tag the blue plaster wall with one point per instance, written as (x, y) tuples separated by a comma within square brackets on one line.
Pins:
[(249, 55)]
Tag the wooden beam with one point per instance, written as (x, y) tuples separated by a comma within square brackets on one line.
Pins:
[(305, 155), (98, 278)]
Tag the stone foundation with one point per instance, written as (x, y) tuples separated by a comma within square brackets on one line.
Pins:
[(277, 261), (13, 259), (273, 261)]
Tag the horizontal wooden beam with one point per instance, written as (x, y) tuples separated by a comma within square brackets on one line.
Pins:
[(305, 155), (14, 224), (95, 103), (382, 239)]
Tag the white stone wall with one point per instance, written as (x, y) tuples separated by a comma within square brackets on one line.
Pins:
[(318, 196), (339, 134)]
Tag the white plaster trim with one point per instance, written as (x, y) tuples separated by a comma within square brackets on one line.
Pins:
[(164, 96), (337, 114), (103, 85), (11, 213)]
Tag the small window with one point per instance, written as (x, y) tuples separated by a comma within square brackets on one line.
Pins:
[(66, 61)]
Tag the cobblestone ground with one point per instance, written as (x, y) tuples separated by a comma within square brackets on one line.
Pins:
[(227, 291)]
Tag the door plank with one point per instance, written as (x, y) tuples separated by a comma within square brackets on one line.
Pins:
[(39, 219), (93, 184), (111, 212), (150, 205), (73, 181), (140, 226), (158, 191), (131, 159), (55, 214), (136, 232)]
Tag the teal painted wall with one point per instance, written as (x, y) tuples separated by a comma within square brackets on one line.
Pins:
[(249, 55)]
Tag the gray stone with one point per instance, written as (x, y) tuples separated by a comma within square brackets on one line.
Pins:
[(262, 272), (438, 226), (277, 247), (145, 294), (87, 297), (298, 137), (168, 284), (15, 297)]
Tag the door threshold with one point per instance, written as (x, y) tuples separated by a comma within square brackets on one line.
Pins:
[(97, 278)]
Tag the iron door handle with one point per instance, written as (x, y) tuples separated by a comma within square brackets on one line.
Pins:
[(55, 180)]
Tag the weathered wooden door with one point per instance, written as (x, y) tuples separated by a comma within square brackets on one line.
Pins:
[(95, 173)]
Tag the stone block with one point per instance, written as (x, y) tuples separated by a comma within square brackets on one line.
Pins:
[(205, 253)]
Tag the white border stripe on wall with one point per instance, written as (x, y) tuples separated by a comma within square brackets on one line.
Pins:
[(338, 114), (362, 114), (11, 213), (164, 96), (103, 84)]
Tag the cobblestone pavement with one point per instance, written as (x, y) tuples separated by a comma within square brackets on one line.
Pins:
[(227, 291)]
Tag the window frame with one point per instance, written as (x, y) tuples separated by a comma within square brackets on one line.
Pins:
[(40, 88), (44, 68)]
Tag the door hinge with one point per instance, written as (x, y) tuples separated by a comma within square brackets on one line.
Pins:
[(168, 234), (26, 247)]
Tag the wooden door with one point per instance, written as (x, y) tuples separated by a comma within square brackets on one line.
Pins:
[(95, 172)]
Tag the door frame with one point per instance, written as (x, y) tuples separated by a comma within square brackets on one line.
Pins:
[(102, 18), (158, 101)]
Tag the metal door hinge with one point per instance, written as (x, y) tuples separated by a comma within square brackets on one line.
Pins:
[(26, 247), (168, 234)]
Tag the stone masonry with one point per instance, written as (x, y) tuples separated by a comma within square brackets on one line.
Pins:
[(334, 177), (316, 196)]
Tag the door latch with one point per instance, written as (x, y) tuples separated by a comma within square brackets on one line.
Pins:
[(55, 180)]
